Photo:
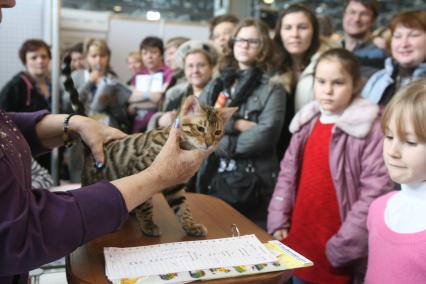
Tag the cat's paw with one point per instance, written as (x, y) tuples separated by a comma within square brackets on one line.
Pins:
[(151, 230), (197, 230)]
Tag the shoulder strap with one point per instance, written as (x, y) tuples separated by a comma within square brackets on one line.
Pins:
[(29, 85)]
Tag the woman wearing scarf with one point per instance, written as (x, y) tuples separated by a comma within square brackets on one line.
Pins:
[(244, 167)]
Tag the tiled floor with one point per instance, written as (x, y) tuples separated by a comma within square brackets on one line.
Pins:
[(52, 273), (50, 277)]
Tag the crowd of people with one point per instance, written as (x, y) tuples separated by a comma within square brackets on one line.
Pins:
[(327, 151)]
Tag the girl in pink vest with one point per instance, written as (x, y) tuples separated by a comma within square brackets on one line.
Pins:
[(396, 222)]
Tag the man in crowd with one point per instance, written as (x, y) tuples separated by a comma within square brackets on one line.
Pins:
[(359, 17)]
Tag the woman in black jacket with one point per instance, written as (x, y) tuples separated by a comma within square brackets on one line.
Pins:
[(243, 169), (30, 90)]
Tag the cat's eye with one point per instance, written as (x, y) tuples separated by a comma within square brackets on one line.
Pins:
[(218, 132), (200, 128)]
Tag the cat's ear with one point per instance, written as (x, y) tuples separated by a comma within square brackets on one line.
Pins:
[(225, 113), (190, 105)]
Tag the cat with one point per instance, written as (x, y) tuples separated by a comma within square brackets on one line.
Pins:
[(201, 127)]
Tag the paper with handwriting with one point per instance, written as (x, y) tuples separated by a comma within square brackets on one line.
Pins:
[(185, 256)]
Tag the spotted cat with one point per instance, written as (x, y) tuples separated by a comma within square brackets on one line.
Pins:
[(201, 127)]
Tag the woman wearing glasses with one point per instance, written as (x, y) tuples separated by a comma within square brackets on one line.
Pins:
[(244, 167)]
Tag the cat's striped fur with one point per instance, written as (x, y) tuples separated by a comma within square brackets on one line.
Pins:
[(201, 127)]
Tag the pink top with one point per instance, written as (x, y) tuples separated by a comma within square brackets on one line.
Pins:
[(393, 257), (167, 74)]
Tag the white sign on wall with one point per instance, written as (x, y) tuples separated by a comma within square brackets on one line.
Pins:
[(73, 19)]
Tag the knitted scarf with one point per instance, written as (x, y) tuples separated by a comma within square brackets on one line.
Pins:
[(247, 81)]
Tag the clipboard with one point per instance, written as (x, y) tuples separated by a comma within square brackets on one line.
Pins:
[(285, 258)]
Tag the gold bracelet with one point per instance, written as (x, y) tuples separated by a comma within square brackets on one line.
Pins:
[(68, 141)]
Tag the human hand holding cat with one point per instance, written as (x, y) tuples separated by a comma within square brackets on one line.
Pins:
[(94, 135), (172, 166), (50, 132), (176, 165)]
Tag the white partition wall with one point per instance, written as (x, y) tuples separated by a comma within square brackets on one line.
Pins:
[(29, 19), (123, 33), (77, 25), (126, 33)]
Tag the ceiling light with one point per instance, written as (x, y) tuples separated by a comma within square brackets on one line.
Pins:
[(153, 15), (117, 9)]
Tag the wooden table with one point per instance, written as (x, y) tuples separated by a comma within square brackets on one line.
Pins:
[(87, 263)]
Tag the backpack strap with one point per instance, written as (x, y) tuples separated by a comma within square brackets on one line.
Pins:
[(30, 87)]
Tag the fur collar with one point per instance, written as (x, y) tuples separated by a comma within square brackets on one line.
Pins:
[(356, 120), (282, 80)]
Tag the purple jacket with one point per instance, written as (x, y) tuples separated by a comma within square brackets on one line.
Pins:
[(38, 226), (357, 169)]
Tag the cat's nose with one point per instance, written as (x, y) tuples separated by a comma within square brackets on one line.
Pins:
[(204, 147), (208, 143)]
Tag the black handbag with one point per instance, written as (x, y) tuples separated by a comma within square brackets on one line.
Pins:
[(240, 187)]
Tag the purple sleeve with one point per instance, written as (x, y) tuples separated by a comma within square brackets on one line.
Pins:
[(38, 226), (351, 240), (282, 201), (26, 122)]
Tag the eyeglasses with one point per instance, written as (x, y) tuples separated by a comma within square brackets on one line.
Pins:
[(252, 42)]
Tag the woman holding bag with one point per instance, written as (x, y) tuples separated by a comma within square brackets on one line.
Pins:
[(243, 170)]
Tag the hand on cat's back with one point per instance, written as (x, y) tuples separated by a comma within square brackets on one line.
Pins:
[(180, 165)]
